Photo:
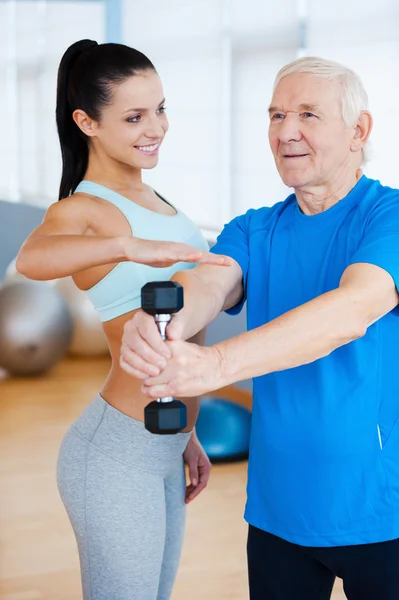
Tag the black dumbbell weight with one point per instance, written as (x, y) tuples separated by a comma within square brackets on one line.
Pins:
[(161, 299)]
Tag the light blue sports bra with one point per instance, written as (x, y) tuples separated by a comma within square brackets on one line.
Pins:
[(120, 290)]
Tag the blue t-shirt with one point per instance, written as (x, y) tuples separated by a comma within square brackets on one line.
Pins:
[(324, 454)]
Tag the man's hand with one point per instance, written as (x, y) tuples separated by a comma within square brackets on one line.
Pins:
[(143, 351), (191, 371), (168, 368), (199, 468)]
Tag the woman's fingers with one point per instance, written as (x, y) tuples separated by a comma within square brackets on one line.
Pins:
[(164, 254), (210, 259)]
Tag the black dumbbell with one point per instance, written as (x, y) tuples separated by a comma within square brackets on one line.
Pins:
[(161, 299)]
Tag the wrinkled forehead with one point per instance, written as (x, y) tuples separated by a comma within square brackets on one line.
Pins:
[(305, 89)]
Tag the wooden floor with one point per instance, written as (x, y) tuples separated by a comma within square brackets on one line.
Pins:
[(38, 556)]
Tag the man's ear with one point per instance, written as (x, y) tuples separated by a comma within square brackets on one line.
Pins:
[(361, 131)]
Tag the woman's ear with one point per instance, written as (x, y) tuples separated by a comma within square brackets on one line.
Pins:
[(87, 125)]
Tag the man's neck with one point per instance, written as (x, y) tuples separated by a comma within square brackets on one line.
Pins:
[(318, 199)]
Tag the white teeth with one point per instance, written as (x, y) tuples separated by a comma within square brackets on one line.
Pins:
[(148, 148)]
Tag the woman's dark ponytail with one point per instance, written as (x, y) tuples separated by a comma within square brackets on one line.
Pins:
[(74, 148), (86, 74)]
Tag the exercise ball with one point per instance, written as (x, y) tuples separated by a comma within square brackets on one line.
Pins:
[(35, 327), (88, 338), (223, 428)]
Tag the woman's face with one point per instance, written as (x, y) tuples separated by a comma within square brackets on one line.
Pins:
[(133, 126)]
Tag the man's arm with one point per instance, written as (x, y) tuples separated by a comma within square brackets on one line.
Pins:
[(300, 336), (313, 330), (207, 292)]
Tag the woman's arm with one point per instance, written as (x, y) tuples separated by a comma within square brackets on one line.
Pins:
[(63, 245)]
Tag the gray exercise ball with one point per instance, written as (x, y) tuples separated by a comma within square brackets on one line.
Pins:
[(35, 327), (88, 337)]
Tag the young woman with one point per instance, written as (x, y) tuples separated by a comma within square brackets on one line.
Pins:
[(123, 487)]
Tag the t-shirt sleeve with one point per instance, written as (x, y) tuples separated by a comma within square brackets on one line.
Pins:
[(380, 242), (233, 242)]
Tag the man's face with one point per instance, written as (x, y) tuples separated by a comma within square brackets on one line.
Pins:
[(308, 137)]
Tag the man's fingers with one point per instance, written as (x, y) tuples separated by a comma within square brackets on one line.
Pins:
[(142, 327), (156, 380), (135, 344), (153, 339), (157, 391), (139, 364), (175, 328), (134, 372)]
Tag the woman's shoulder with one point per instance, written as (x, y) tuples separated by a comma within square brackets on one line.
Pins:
[(75, 203), (77, 210)]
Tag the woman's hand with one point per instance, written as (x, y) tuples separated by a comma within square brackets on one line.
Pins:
[(199, 468), (165, 254)]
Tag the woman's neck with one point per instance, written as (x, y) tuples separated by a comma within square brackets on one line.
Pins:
[(114, 175)]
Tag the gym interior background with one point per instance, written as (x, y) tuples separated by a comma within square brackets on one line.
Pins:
[(217, 60)]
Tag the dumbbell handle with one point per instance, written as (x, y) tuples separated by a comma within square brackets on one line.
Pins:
[(162, 322)]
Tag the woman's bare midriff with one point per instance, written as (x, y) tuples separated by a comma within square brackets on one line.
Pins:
[(121, 390)]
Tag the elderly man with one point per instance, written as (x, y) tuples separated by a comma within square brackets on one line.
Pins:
[(319, 272)]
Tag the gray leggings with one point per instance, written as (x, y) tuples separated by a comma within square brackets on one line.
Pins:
[(123, 489)]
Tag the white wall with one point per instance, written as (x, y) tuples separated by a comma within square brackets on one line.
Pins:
[(369, 44), (43, 32), (185, 45), (184, 39)]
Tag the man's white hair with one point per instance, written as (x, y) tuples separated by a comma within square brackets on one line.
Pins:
[(353, 94)]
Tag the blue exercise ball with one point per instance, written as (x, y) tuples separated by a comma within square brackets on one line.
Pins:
[(223, 428)]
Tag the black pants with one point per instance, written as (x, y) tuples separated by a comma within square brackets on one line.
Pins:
[(280, 570)]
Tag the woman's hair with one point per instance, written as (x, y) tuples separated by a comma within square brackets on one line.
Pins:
[(86, 76), (353, 94)]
